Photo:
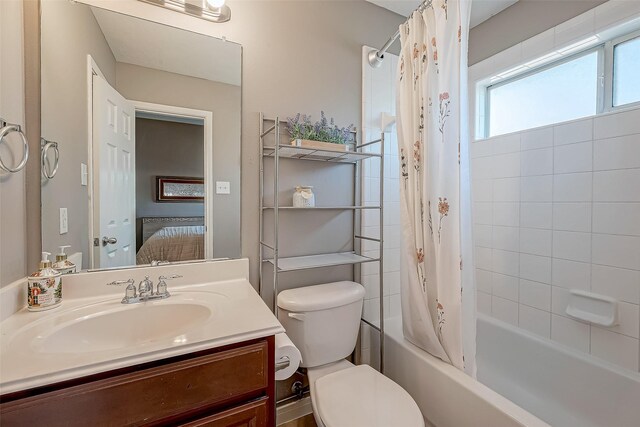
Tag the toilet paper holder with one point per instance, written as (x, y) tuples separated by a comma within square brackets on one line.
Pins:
[(282, 363)]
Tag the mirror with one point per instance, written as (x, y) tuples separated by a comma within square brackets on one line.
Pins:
[(141, 139)]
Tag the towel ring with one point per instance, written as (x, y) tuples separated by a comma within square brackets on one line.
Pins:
[(6, 130), (46, 145)]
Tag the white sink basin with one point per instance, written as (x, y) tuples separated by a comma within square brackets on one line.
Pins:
[(125, 326)]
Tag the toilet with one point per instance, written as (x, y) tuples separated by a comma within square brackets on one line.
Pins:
[(323, 322)]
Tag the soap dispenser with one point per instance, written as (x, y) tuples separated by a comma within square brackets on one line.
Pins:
[(44, 287), (62, 264)]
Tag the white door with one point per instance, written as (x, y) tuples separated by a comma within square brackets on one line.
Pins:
[(114, 200)]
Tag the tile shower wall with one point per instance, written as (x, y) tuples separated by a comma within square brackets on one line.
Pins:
[(558, 208), (378, 97)]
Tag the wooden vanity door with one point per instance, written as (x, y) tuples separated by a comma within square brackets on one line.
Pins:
[(254, 414)]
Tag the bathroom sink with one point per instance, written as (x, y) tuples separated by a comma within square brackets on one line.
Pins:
[(113, 328)]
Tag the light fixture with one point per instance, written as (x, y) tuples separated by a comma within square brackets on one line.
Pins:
[(211, 10)]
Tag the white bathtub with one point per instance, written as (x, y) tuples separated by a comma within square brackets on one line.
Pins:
[(558, 385), (561, 386)]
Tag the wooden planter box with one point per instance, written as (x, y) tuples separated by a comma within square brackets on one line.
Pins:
[(319, 145)]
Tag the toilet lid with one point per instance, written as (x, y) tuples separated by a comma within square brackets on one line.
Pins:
[(362, 397)]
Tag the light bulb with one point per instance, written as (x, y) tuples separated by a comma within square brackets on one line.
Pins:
[(215, 4)]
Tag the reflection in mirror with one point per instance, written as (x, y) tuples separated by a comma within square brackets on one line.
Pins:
[(147, 122)]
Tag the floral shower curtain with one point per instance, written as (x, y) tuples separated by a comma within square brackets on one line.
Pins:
[(431, 123)]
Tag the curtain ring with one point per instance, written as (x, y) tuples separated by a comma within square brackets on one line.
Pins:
[(56, 162), (6, 130)]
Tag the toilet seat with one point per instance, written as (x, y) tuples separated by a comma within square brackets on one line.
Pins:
[(360, 396)]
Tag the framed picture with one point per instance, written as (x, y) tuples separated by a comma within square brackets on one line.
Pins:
[(179, 189)]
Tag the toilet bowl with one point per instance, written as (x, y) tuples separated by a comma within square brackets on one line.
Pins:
[(323, 322)]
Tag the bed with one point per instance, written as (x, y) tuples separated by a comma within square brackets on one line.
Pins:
[(171, 239)]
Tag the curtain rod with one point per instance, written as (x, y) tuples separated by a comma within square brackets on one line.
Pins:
[(376, 56)]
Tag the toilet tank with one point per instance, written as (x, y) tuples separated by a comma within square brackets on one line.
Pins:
[(322, 320)]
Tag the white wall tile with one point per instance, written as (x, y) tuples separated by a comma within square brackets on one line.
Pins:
[(481, 148), (536, 162), (535, 268), (506, 238), (537, 138), (482, 190), (537, 188), (506, 165), (572, 216), (506, 214), (616, 218), (572, 245), (575, 29), (617, 153), (539, 45), (484, 281), (615, 348), (505, 310), (482, 168), (506, 190), (571, 333), (615, 282), (559, 300), (506, 144), (577, 131), (482, 235), (484, 303), (504, 286), (534, 294), (571, 274), (535, 321), (617, 186), (628, 320), (535, 241), (392, 236), (483, 258), (483, 213), (505, 262), (573, 158), (573, 187), (392, 283), (536, 215), (617, 124), (616, 251)]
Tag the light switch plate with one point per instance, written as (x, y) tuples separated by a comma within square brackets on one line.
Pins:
[(64, 221), (84, 174), (223, 187)]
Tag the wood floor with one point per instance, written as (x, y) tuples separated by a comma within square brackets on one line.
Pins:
[(306, 421)]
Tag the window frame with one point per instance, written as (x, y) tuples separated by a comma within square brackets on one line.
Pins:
[(610, 71), (600, 96)]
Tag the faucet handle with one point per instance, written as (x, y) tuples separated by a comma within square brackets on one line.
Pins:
[(162, 285), (121, 282)]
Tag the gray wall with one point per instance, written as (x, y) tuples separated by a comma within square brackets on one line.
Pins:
[(69, 33), (224, 101), (166, 149), (13, 231), (521, 21)]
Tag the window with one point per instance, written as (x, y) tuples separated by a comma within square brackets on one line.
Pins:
[(626, 72), (578, 81), (560, 92)]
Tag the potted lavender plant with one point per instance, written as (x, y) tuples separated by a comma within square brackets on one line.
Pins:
[(323, 134)]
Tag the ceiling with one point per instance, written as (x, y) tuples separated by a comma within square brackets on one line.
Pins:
[(161, 47), (481, 10)]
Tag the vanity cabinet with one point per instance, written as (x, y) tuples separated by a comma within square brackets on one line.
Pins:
[(228, 386)]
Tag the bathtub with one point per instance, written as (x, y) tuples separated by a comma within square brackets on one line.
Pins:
[(519, 375)]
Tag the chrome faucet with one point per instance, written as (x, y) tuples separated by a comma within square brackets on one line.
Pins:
[(145, 289)]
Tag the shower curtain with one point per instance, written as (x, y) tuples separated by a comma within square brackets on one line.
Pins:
[(436, 273)]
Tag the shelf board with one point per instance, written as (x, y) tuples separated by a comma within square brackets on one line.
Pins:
[(322, 208), (324, 260), (304, 153)]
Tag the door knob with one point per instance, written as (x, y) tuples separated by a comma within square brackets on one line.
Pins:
[(109, 241)]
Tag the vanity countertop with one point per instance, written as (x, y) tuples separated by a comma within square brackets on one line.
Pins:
[(93, 334)]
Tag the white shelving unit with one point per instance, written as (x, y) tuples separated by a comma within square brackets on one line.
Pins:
[(281, 265)]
